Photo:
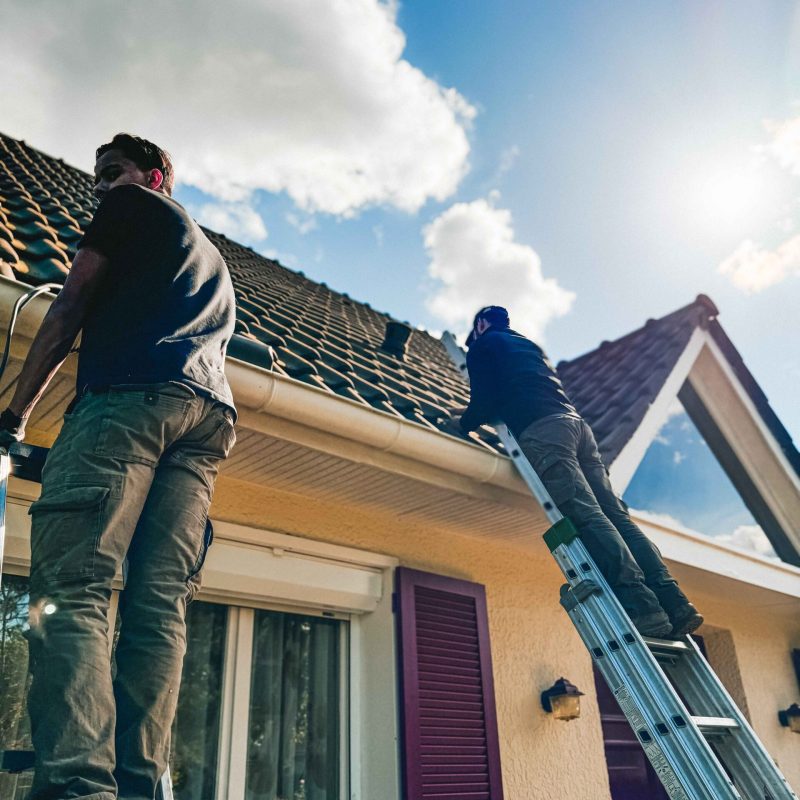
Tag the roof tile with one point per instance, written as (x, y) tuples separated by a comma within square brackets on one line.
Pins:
[(296, 327)]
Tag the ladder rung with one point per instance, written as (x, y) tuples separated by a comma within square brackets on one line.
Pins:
[(715, 726), (668, 645), (666, 651)]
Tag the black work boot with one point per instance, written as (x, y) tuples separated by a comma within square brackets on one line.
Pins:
[(655, 624), (685, 619)]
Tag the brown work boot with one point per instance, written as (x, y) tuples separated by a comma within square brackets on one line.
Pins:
[(685, 619), (656, 624)]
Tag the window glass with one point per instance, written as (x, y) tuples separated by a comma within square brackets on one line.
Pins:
[(14, 681), (680, 481), (196, 729), (195, 732), (294, 726)]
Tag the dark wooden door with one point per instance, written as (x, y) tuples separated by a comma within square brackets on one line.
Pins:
[(629, 772)]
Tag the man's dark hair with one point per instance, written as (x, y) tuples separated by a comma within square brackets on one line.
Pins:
[(496, 316), (144, 154)]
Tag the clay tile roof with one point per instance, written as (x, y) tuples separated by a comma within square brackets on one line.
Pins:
[(303, 329)]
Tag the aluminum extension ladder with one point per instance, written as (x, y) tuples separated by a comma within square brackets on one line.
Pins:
[(26, 462), (701, 749)]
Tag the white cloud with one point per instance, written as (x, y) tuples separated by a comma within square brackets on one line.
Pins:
[(750, 537), (785, 144), (310, 98), (235, 220), (302, 224), (678, 457), (476, 261), (659, 518), (508, 158), (752, 268)]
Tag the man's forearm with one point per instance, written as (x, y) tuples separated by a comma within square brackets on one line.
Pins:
[(48, 350)]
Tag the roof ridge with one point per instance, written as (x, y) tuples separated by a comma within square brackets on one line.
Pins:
[(701, 302)]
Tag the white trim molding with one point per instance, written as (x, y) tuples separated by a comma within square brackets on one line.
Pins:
[(256, 567), (704, 367), (622, 469)]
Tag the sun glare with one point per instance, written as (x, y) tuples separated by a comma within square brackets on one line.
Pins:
[(723, 196)]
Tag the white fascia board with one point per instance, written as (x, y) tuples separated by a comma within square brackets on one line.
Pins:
[(748, 403), (693, 549), (622, 469)]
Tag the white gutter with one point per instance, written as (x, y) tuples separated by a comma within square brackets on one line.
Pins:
[(268, 393), (265, 393)]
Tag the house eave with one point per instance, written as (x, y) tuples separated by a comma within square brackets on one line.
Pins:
[(391, 463), (768, 582)]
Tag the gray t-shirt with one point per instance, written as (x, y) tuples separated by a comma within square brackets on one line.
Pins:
[(166, 310)]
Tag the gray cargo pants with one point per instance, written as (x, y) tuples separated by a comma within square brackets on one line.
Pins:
[(131, 474), (563, 451)]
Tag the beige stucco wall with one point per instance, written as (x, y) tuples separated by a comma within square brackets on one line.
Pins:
[(533, 641)]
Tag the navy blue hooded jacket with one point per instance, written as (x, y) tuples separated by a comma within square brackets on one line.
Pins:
[(511, 380)]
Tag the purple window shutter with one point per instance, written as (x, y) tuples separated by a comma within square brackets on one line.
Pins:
[(450, 743)]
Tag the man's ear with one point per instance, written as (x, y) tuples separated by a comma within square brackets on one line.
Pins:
[(155, 180)]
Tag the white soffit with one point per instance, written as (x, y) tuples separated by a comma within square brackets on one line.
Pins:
[(717, 558)]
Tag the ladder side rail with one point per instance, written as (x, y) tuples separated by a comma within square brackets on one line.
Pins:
[(528, 473), (164, 787), (680, 754), (5, 469), (752, 765)]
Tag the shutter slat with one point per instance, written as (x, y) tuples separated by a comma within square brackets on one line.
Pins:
[(454, 769), (429, 645), (450, 724), (443, 788)]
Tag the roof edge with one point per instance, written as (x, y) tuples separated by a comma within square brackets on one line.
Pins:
[(702, 303), (268, 394)]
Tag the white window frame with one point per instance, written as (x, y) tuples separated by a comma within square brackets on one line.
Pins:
[(235, 700)]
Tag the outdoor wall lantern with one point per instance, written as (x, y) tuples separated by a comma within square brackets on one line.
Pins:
[(791, 718), (562, 700)]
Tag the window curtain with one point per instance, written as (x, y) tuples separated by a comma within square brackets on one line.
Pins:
[(293, 746), (196, 728)]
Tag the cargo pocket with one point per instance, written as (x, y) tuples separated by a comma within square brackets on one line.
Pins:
[(558, 478), (67, 524), (194, 581)]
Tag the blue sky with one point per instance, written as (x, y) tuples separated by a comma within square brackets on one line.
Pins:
[(614, 137), (679, 481), (589, 164)]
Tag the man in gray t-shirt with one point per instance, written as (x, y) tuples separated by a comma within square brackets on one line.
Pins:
[(131, 475)]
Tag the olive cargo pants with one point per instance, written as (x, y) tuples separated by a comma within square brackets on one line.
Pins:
[(563, 451), (131, 474)]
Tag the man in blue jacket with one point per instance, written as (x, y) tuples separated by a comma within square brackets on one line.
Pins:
[(131, 475), (512, 380)]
